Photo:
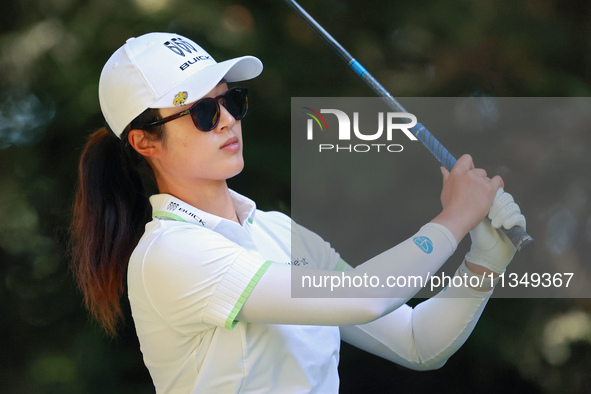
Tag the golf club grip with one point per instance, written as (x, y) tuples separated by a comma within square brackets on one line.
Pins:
[(518, 236), (522, 241), (434, 146)]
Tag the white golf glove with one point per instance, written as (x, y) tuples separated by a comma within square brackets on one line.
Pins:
[(490, 246)]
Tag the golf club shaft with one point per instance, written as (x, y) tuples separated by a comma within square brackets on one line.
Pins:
[(518, 236)]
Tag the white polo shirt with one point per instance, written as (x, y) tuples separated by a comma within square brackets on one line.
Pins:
[(188, 278)]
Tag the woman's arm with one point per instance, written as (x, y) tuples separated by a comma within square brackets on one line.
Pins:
[(423, 337), (271, 299)]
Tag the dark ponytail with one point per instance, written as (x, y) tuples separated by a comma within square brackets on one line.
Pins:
[(111, 208)]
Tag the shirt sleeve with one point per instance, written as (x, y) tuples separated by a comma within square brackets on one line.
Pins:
[(195, 278)]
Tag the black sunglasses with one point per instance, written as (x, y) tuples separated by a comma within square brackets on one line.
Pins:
[(206, 112)]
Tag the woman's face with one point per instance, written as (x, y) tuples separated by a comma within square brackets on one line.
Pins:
[(194, 157)]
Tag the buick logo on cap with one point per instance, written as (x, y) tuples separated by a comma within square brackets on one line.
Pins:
[(179, 46), (182, 47)]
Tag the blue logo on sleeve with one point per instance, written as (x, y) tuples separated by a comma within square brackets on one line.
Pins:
[(424, 243)]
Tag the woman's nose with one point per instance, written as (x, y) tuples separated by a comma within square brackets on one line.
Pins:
[(226, 119)]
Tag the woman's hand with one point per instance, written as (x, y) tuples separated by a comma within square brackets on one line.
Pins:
[(491, 250), (467, 196)]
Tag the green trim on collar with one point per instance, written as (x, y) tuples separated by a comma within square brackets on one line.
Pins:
[(168, 215), (231, 320)]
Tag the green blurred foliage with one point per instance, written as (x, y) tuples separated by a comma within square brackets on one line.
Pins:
[(52, 52)]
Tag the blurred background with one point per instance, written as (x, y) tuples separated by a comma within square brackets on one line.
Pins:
[(51, 55)]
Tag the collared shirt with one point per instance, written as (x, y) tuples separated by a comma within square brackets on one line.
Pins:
[(187, 280)]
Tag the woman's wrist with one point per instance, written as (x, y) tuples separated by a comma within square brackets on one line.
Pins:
[(477, 277), (454, 223), (480, 270)]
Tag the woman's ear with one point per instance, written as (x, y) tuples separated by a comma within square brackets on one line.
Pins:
[(144, 145)]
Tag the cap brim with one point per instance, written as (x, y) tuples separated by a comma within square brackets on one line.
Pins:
[(203, 81)]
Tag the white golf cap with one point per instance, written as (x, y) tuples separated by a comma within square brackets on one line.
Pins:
[(163, 70)]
